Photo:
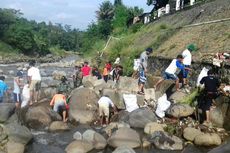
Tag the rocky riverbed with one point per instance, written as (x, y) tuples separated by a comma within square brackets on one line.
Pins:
[(38, 129)]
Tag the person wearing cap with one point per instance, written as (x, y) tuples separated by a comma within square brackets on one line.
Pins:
[(187, 61), (18, 84), (172, 71), (3, 88), (144, 58), (34, 78), (104, 103)]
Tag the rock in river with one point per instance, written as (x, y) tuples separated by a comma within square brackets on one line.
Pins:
[(6, 110), (125, 137), (124, 149), (152, 127), (164, 141), (208, 139), (225, 148), (58, 126), (83, 105), (15, 147), (79, 146), (140, 117), (191, 133), (180, 110)]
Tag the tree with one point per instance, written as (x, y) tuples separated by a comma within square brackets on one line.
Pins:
[(118, 3), (121, 18), (105, 12)]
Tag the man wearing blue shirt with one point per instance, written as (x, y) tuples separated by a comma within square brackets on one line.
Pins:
[(173, 70), (3, 88)]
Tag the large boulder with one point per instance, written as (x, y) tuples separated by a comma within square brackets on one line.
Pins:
[(180, 110), (79, 146), (140, 117), (152, 127), (116, 97), (15, 147), (178, 96), (190, 133), (125, 137), (6, 110), (40, 116), (113, 126), (164, 141), (18, 133), (88, 81), (128, 84), (83, 105), (95, 138), (225, 148), (150, 95), (123, 149), (208, 139), (57, 126)]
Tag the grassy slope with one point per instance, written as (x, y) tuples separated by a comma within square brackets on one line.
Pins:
[(168, 40)]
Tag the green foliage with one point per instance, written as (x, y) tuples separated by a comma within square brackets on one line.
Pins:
[(31, 37), (105, 12), (118, 2)]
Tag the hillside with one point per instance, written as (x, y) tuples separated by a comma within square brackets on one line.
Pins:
[(168, 38)]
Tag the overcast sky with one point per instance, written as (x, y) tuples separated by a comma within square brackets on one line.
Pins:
[(78, 13)]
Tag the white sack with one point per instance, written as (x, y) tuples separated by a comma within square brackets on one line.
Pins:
[(130, 102), (203, 73), (25, 96), (162, 105)]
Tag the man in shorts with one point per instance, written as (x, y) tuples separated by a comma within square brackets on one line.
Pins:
[(18, 84), (144, 58), (59, 105), (34, 78), (211, 86), (104, 103), (171, 72)]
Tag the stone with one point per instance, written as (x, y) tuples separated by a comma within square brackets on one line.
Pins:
[(18, 133), (125, 137), (88, 81), (178, 96), (15, 147), (152, 127), (180, 110), (190, 133), (208, 139), (83, 105), (57, 126), (164, 141), (40, 116), (116, 97), (140, 117), (150, 94), (57, 75), (146, 144), (225, 148), (79, 146), (128, 84), (6, 110), (77, 136), (115, 125), (123, 149), (95, 138)]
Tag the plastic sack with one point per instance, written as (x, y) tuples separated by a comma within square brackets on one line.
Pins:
[(130, 102), (203, 73), (162, 105), (25, 96)]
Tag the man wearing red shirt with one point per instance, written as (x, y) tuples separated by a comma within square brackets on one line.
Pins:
[(85, 69)]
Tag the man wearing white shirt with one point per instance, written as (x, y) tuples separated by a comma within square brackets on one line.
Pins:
[(172, 71), (187, 61), (104, 103), (34, 79)]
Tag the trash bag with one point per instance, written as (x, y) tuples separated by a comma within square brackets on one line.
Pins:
[(130, 102), (203, 73), (25, 96), (162, 105)]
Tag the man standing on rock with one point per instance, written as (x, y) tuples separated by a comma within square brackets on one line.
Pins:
[(187, 61), (17, 88), (104, 103), (172, 71), (34, 79), (211, 86), (144, 58)]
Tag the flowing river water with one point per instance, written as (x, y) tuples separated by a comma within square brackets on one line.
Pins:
[(46, 142)]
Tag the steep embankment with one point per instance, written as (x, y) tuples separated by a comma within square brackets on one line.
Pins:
[(168, 36)]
